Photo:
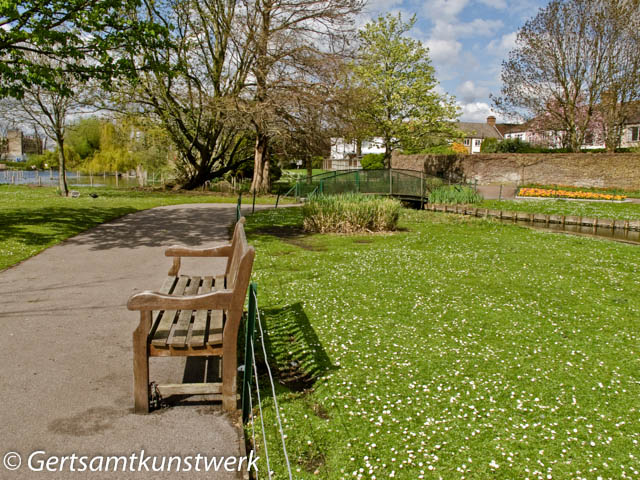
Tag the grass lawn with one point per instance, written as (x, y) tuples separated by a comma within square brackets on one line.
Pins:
[(34, 218), (457, 348), (621, 211)]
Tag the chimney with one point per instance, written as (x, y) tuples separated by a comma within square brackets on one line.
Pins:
[(491, 120)]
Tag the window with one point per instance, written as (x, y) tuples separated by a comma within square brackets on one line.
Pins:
[(477, 143), (467, 142), (635, 134)]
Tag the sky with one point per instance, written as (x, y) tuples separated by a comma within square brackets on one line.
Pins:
[(467, 40)]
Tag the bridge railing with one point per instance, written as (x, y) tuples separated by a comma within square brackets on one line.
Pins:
[(406, 184)]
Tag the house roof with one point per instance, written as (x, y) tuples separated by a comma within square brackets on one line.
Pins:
[(479, 130), (504, 128)]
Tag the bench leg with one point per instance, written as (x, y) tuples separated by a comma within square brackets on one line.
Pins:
[(230, 366), (141, 363)]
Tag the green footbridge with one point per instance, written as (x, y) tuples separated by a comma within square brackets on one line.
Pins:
[(407, 185)]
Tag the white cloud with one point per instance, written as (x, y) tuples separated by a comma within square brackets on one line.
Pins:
[(504, 45), (476, 112), (469, 92), (378, 6), (497, 4), (476, 28), (444, 9), (443, 51)]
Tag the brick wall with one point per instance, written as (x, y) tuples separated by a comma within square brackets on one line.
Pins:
[(620, 170)]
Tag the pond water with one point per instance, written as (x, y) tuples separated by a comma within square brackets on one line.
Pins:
[(74, 179), (617, 234)]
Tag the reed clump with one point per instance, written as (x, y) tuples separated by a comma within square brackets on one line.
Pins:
[(351, 213), (454, 194)]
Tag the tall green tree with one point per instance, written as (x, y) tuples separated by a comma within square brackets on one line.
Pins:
[(68, 33), (395, 73)]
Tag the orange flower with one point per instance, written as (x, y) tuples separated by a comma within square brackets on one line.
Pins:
[(547, 192)]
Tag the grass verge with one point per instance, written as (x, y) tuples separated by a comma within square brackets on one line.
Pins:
[(35, 218), (457, 348), (621, 211)]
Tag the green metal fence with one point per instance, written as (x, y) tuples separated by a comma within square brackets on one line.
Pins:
[(404, 184), (249, 338)]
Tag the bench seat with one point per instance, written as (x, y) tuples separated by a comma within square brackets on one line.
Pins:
[(188, 332)]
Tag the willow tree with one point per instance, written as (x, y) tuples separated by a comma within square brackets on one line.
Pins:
[(290, 42), (394, 71)]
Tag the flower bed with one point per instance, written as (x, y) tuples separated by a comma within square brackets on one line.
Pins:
[(550, 193)]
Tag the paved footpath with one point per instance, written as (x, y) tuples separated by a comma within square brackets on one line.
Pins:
[(66, 369)]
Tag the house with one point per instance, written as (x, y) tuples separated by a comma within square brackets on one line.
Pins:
[(476, 133), (532, 133), (346, 155), (16, 146)]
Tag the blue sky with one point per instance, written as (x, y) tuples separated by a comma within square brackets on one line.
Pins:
[(467, 39)]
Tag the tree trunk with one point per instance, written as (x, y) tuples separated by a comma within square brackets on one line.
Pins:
[(62, 173), (140, 175), (261, 182), (387, 153), (202, 175), (309, 168)]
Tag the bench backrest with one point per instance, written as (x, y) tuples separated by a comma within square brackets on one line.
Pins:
[(234, 242), (238, 278)]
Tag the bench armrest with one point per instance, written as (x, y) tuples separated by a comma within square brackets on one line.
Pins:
[(182, 251), (179, 251), (219, 300)]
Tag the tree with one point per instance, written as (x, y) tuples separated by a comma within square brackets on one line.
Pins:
[(84, 136), (617, 27), (195, 90), (50, 109), (67, 33), (396, 75), (575, 62), (291, 43)]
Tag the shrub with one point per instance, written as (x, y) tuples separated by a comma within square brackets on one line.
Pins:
[(454, 194), (459, 148), (372, 161), (515, 145), (489, 145), (351, 213)]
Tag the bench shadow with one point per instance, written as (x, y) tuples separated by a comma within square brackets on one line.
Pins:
[(294, 351), (196, 370)]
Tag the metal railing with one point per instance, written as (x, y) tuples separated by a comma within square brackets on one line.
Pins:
[(250, 375)]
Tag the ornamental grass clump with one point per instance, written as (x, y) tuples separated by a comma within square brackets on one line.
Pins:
[(351, 213), (454, 194)]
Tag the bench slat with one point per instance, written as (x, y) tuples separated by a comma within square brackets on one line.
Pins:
[(199, 327), (167, 287), (216, 322), (178, 337), (166, 322)]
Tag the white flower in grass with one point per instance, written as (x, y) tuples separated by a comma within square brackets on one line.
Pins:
[(493, 464)]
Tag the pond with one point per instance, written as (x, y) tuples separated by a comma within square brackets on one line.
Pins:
[(74, 179)]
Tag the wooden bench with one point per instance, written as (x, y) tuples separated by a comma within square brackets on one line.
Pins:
[(194, 316)]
